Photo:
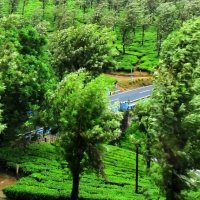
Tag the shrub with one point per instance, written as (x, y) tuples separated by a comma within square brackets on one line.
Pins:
[(127, 62), (21, 192)]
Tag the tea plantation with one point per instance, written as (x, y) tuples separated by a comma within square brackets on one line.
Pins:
[(141, 57), (45, 176)]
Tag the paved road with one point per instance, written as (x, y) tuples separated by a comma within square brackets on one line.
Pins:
[(132, 95)]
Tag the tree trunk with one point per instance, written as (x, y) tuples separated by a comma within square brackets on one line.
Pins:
[(124, 49), (75, 186), (23, 7), (148, 149), (43, 7), (173, 191), (159, 44), (136, 169), (143, 29), (173, 184), (84, 9), (124, 41)]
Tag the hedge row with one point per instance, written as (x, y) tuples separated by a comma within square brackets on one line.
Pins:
[(46, 181)]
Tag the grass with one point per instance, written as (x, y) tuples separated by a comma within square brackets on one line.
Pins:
[(52, 176)]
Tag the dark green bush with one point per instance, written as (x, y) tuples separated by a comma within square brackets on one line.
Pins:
[(21, 192)]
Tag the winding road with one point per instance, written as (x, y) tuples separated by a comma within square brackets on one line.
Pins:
[(132, 95)]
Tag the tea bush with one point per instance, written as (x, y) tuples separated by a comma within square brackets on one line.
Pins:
[(50, 179)]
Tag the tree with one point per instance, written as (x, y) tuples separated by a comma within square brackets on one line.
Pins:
[(12, 6), (87, 46), (165, 22), (98, 13), (25, 2), (1, 8), (128, 22), (115, 5), (146, 17), (189, 9), (42, 27), (174, 120), (83, 4), (59, 2), (2, 88), (36, 17), (25, 70), (152, 5), (44, 4), (110, 20), (82, 111), (98, 2), (140, 115), (193, 8), (64, 17)]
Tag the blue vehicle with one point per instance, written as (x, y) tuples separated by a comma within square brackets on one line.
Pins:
[(40, 131)]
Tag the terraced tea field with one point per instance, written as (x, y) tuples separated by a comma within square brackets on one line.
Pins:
[(46, 176)]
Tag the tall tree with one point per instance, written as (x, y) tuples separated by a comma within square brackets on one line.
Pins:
[(25, 2), (44, 4), (110, 19), (190, 9), (128, 22), (98, 13), (82, 111), (174, 112), (2, 88), (146, 17), (87, 46), (83, 4), (165, 22), (140, 115), (1, 8), (36, 17), (24, 67), (59, 2), (152, 5), (64, 17), (13, 6), (42, 27), (115, 5)]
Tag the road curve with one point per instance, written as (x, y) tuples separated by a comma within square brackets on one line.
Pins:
[(132, 95)]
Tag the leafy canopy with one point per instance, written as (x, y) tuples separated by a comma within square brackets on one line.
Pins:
[(87, 46), (81, 110), (173, 122), (24, 67)]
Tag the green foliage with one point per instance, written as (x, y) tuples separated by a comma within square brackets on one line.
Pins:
[(12, 6), (126, 62), (54, 182), (109, 80), (148, 65), (174, 123), (132, 137), (128, 22), (2, 88), (24, 67), (84, 47), (147, 15), (165, 21), (86, 122)]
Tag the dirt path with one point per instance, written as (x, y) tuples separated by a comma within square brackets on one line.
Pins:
[(3, 183), (124, 80)]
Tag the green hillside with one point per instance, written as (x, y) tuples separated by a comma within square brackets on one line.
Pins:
[(137, 56), (45, 176)]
